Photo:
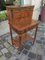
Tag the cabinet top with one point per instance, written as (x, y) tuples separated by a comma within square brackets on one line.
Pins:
[(19, 6)]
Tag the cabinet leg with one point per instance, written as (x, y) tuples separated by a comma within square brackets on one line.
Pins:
[(11, 35), (20, 39), (35, 34)]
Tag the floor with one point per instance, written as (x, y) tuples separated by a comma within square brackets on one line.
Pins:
[(28, 51), (4, 27)]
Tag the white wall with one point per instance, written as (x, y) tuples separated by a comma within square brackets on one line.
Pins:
[(37, 4), (37, 9), (27, 2)]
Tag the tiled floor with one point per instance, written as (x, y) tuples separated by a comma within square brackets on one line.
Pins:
[(4, 27), (28, 51)]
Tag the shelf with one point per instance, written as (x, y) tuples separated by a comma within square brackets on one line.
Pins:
[(25, 37)]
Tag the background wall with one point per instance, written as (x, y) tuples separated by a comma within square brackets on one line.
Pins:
[(44, 1), (27, 2), (37, 8)]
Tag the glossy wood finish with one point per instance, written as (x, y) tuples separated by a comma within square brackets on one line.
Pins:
[(20, 20)]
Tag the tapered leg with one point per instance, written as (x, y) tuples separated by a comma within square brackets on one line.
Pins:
[(11, 34), (35, 34), (20, 39)]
